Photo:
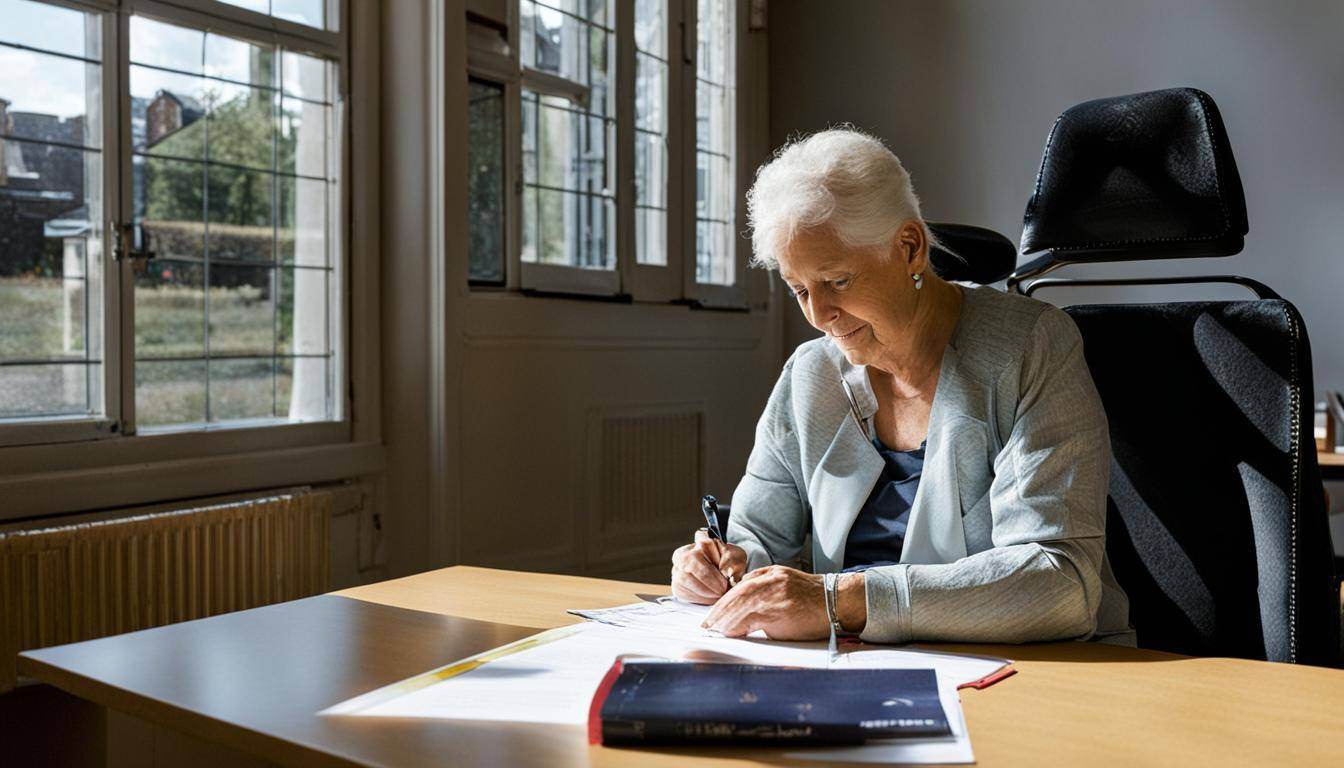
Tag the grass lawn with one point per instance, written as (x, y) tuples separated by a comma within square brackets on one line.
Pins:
[(170, 321)]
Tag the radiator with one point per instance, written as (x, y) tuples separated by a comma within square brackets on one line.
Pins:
[(87, 580)]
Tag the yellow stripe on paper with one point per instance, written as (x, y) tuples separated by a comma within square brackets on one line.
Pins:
[(448, 671)]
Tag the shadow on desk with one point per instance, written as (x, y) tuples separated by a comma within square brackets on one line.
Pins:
[(1062, 652)]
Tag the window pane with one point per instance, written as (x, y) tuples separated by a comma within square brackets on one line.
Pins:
[(304, 138), (485, 182), (239, 61), (240, 219), (650, 170), (715, 133), (241, 125), (651, 132), (260, 6), (304, 77), (169, 392), (51, 213), (573, 230), (651, 235), (242, 389), (170, 205), (170, 310), (50, 28), (599, 79), (50, 98), (558, 42), (168, 46), (302, 234), (301, 329), (240, 224), (568, 178), (299, 388), (241, 308), (167, 113), (650, 93), (27, 391), (310, 13), (651, 27)]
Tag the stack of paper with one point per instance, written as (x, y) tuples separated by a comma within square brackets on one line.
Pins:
[(551, 677)]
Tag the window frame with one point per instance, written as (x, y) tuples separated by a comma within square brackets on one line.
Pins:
[(63, 429), (50, 464), (650, 282), (189, 13), (118, 420), (711, 294), (629, 280), (554, 278)]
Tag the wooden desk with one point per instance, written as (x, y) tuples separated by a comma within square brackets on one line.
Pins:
[(251, 681), (1331, 464)]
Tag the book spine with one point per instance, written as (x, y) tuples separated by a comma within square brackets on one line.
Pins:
[(699, 731)]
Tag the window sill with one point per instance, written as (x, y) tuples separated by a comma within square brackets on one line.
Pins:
[(38, 494)]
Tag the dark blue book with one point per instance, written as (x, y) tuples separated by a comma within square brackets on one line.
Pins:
[(688, 703)]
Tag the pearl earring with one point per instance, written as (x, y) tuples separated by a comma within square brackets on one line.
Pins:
[(919, 280)]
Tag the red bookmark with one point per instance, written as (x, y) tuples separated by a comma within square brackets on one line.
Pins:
[(988, 680)]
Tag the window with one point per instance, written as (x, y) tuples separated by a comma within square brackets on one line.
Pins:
[(310, 13), (231, 176), (217, 174), (485, 182), (568, 127), (608, 145), (651, 150), (715, 183), (51, 212)]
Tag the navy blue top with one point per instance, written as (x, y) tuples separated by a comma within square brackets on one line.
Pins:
[(879, 530)]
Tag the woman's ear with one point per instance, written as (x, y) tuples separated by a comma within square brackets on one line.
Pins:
[(911, 246)]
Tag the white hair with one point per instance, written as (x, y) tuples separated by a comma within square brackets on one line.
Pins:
[(842, 178)]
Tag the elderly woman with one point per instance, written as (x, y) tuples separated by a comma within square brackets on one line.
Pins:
[(944, 446)]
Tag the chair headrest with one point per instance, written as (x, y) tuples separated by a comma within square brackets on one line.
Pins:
[(971, 254), (1144, 176)]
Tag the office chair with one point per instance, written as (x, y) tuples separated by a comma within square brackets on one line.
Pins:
[(1216, 521)]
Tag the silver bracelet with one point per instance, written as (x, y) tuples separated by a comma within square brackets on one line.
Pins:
[(829, 582)]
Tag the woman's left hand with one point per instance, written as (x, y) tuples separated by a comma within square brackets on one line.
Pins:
[(785, 602)]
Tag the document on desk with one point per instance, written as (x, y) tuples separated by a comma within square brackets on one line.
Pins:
[(672, 617), (551, 677)]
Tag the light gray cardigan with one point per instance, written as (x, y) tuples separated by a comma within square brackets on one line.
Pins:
[(1006, 536)]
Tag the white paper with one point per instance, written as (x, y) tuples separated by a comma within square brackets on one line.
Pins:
[(673, 618), (554, 682), (552, 679)]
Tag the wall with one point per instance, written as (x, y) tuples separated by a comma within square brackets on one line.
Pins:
[(494, 401), (965, 92)]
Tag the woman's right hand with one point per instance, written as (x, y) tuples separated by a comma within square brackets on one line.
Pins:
[(699, 568)]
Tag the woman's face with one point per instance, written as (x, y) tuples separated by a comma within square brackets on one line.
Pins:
[(864, 303)]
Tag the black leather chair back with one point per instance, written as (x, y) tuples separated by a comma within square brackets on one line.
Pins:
[(971, 254), (1216, 524)]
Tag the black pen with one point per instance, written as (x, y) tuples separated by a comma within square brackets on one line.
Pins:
[(710, 506)]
